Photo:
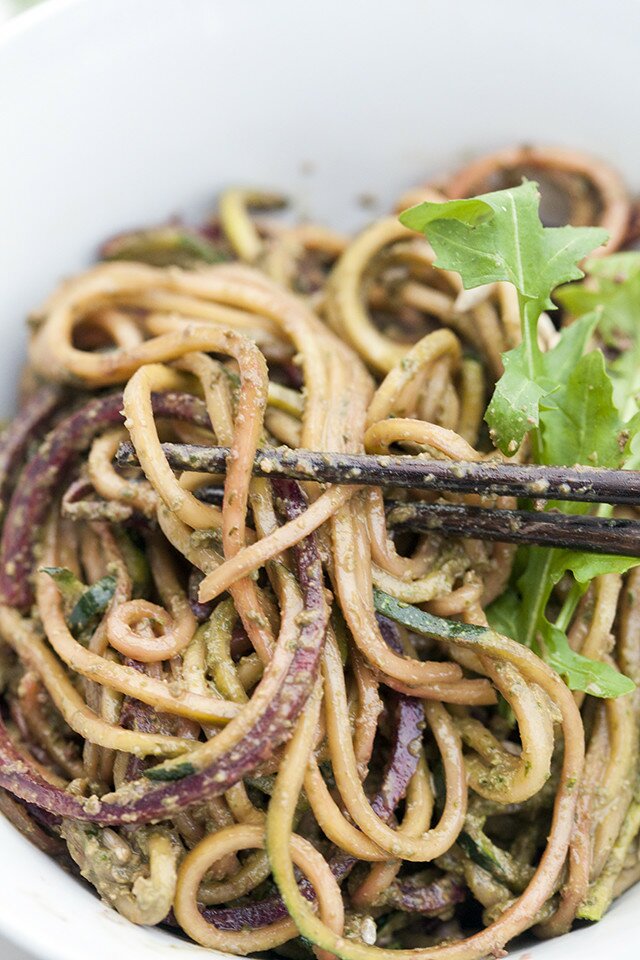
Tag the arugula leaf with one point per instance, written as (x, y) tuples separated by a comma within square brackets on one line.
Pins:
[(518, 610), (514, 407), (625, 376), (580, 673), (586, 566), (504, 614), (579, 421), (499, 236), (520, 614), (574, 410), (558, 363), (614, 287), (472, 211), (617, 266)]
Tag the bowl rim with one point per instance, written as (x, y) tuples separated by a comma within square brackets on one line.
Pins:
[(33, 938)]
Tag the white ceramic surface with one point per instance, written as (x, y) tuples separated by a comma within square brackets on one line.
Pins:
[(115, 113)]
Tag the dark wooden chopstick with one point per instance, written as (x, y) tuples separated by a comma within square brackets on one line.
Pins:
[(592, 534), (586, 484), (552, 529)]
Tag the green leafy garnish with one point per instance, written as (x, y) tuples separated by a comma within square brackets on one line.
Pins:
[(518, 400), (586, 566), (92, 604), (576, 408), (499, 236), (578, 672), (580, 422), (614, 288), (514, 407), (83, 605), (177, 772), (520, 613)]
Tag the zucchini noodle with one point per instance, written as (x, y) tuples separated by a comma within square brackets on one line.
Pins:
[(205, 702)]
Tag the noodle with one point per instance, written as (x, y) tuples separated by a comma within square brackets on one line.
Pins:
[(203, 700)]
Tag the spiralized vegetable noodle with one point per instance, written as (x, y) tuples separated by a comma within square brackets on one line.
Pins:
[(248, 707)]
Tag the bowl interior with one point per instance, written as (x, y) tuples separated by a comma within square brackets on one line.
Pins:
[(116, 114)]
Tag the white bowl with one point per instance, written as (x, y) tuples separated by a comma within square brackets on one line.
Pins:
[(116, 113)]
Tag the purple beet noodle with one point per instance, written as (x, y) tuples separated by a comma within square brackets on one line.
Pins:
[(408, 716), (146, 802), (29, 424), (41, 835), (400, 768), (136, 715), (409, 726), (240, 642), (210, 494), (287, 373), (430, 899), (412, 896), (201, 611), (42, 476), (80, 488)]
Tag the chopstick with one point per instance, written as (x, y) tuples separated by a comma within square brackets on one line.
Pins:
[(585, 484), (552, 529), (591, 534)]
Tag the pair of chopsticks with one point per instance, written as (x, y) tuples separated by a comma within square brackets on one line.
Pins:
[(552, 529)]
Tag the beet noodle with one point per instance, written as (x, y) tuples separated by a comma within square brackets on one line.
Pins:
[(248, 686)]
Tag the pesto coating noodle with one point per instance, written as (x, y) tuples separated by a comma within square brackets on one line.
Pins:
[(203, 699)]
